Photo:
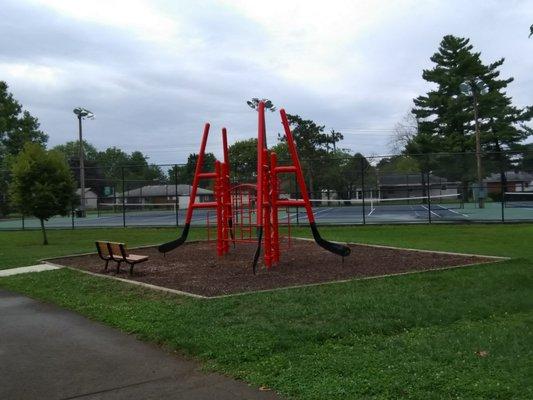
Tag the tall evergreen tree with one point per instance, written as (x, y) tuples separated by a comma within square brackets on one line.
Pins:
[(446, 114)]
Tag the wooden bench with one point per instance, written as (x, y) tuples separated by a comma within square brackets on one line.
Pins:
[(103, 252), (119, 253)]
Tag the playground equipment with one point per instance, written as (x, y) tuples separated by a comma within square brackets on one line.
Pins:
[(255, 206)]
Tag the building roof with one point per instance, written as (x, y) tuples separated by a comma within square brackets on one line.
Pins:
[(409, 180), (164, 190), (87, 190), (514, 176)]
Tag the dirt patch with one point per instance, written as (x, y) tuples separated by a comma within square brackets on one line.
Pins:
[(195, 267)]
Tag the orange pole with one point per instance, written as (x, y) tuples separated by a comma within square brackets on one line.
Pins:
[(198, 170), (267, 211), (260, 161), (299, 174), (273, 204), (225, 208), (218, 195), (228, 218)]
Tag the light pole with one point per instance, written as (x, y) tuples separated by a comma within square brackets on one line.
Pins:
[(82, 113), (474, 88)]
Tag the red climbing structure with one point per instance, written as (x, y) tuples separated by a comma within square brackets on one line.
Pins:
[(237, 205)]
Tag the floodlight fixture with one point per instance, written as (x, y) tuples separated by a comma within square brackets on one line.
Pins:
[(83, 113)]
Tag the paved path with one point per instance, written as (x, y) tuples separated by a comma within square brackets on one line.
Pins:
[(25, 270), (50, 353)]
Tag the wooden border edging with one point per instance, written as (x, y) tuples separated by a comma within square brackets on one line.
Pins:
[(198, 296), (146, 285)]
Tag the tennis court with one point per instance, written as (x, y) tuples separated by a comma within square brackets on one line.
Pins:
[(446, 208)]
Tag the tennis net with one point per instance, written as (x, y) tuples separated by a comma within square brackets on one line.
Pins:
[(399, 204), (518, 199), (137, 209)]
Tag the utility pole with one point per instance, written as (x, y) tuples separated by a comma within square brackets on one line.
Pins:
[(481, 195), (82, 113), (474, 88), (82, 169)]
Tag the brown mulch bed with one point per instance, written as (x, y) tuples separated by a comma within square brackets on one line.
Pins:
[(195, 267)]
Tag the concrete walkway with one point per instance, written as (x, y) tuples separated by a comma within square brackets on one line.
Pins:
[(25, 270), (50, 353)]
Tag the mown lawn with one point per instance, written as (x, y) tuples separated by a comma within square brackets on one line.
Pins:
[(463, 333), (20, 248)]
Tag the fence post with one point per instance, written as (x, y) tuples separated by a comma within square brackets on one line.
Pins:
[(363, 188), (502, 200), (176, 199), (428, 189), (123, 198)]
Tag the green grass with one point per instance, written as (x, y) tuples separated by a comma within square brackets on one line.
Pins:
[(20, 248), (413, 336)]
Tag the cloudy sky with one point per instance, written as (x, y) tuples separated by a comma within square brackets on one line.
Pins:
[(154, 71)]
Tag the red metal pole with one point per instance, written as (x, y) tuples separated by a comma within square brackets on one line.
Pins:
[(299, 175), (225, 146), (274, 206), (228, 218), (198, 170), (266, 212), (218, 195), (260, 161), (226, 207)]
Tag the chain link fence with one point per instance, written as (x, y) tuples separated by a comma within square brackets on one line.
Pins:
[(428, 188)]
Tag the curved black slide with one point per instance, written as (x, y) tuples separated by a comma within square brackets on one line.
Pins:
[(258, 249), (169, 246), (232, 235), (335, 248)]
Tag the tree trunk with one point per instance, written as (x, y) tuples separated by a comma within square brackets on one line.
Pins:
[(503, 177), (45, 239)]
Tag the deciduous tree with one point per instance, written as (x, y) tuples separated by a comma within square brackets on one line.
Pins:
[(42, 184)]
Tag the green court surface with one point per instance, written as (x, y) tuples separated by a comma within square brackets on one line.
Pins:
[(335, 214)]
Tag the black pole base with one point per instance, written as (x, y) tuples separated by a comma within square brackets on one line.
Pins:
[(169, 246)]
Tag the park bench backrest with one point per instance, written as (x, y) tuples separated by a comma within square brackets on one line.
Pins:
[(117, 250), (123, 250), (103, 251)]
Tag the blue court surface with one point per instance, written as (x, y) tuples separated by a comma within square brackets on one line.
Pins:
[(337, 215)]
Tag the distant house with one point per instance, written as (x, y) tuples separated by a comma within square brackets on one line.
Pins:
[(164, 194), (516, 182), (91, 198), (411, 185)]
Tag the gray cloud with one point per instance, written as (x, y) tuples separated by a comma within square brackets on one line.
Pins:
[(155, 96)]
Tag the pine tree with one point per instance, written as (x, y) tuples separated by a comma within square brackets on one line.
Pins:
[(446, 114)]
